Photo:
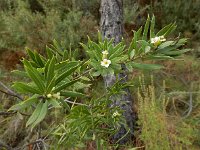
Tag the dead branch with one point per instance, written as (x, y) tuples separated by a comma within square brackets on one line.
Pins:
[(3, 145), (9, 91)]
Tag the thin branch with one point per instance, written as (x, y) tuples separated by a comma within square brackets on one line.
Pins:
[(32, 143), (66, 100), (6, 113), (9, 91), (11, 113), (2, 144), (190, 106), (183, 92), (87, 71)]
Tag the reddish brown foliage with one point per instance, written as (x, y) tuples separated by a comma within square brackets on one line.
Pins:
[(9, 59)]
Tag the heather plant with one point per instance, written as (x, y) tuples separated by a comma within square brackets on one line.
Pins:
[(188, 23), (58, 79), (22, 26), (158, 131)]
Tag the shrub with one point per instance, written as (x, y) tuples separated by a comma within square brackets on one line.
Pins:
[(59, 75), (160, 130), (21, 27)]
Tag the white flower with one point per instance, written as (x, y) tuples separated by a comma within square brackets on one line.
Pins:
[(105, 63), (116, 114), (57, 95), (49, 95), (105, 52), (157, 40)]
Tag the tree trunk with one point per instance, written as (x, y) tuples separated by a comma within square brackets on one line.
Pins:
[(112, 27)]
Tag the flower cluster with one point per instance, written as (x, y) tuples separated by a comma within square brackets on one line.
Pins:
[(56, 95), (105, 62), (116, 114), (157, 40)]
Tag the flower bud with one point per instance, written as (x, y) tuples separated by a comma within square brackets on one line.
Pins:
[(49, 96)]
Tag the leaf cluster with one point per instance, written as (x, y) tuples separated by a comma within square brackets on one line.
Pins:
[(50, 80), (139, 50)]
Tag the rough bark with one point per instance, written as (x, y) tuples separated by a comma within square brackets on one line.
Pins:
[(111, 24)]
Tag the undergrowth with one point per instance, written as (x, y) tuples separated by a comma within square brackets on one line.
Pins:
[(160, 130)]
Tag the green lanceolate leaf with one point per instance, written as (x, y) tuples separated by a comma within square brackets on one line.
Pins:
[(65, 55), (105, 45), (144, 44), (49, 52), (46, 67), (23, 88), (61, 65), (65, 65), (137, 36), (152, 34), (39, 59), (66, 74), (20, 73), (176, 52), (85, 47), (112, 49), (54, 103), (166, 49), (51, 68), (171, 29), (97, 73), (36, 58), (65, 105), (129, 67), (164, 30), (51, 85), (35, 76), (97, 48), (27, 63), (181, 42), (131, 46), (100, 37), (24, 104), (110, 42), (35, 114), (41, 115), (167, 30), (117, 52), (72, 94), (57, 47), (65, 85), (166, 44), (159, 57), (31, 54), (146, 66), (146, 29)]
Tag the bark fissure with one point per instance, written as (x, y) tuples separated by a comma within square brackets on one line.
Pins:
[(112, 27)]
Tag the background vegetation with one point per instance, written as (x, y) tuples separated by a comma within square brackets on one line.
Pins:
[(167, 101)]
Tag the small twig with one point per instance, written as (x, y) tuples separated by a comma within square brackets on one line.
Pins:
[(66, 100), (182, 92), (11, 113), (6, 113), (79, 76), (2, 144), (9, 91), (190, 106), (123, 136), (32, 143)]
